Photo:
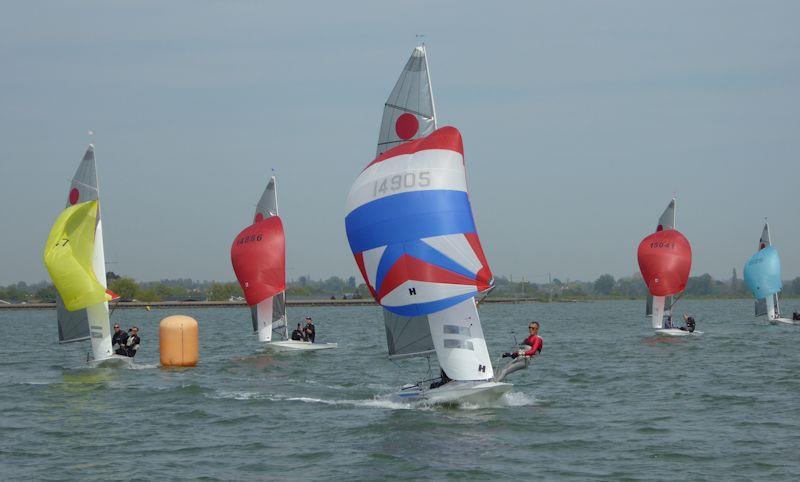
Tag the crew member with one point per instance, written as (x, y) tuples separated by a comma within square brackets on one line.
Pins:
[(309, 330), (119, 341), (534, 343), (297, 334), (689, 320), (795, 316), (132, 344)]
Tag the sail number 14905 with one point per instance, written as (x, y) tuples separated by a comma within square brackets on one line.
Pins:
[(398, 182)]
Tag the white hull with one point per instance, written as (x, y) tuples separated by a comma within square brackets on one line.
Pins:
[(113, 361), (676, 332), (478, 392), (301, 345), (784, 321)]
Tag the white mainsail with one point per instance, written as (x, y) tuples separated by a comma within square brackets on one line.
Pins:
[(93, 321)]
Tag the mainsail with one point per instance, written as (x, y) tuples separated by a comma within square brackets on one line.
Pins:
[(413, 236), (258, 256), (665, 221), (75, 260), (409, 112), (665, 259), (762, 274)]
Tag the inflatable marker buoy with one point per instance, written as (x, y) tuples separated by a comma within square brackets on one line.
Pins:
[(178, 341)]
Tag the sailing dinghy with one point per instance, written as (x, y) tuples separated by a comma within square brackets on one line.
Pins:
[(258, 256), (75, 260), (762, 274), (665, 260), (410, 227)]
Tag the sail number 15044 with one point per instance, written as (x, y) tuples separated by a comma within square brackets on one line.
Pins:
[(397, 182)]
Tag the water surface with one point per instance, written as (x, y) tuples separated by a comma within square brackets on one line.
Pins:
[(605, 400)]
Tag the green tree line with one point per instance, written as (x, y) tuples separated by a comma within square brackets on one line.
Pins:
[(182, 289)]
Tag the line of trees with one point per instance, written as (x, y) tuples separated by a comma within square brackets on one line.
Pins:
[(184, 289)]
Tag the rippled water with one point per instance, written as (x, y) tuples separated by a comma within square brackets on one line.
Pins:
[(606, 400)]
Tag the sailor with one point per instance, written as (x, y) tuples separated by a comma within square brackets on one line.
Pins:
[(522, 356), (668, 323), (119, 340), (297, 334), (689, 320), (442, 380), (534, 343), (132, 344), (795, 316), (309, 330)]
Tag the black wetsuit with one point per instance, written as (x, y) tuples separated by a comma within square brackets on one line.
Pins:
[(132, 345), (297, 335), (120, 338), (311, 332), (689, 325)]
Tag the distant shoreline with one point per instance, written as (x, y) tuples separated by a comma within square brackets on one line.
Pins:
[(242, 304)]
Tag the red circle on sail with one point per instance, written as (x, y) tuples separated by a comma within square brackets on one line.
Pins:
[(763, 245), (74, 195), (406, 126), (259, 218)]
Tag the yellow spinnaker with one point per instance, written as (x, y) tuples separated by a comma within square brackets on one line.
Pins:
[(68, 257)]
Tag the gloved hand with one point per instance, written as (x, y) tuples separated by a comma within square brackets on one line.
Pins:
[(506, 355)]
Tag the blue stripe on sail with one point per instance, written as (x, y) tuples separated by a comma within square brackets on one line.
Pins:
[(424, 252), (422, 309), (390, 256), (408, 216)]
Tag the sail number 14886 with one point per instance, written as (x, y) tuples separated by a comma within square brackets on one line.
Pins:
[(398, 182)]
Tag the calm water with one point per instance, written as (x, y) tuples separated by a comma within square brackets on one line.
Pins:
[(606, 400)]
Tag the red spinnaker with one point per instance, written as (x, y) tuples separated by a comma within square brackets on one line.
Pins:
[(258, 256), (665, 259)]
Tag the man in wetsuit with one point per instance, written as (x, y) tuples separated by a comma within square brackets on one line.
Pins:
[(132, 344), (522, 356), (534, 343), (297, 334), (309, 330), (119, 341), (795, 316), (689, 320)]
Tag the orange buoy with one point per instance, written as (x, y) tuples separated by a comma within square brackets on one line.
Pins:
[(178, 341)]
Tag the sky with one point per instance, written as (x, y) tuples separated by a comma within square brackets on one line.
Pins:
[(580, 121)]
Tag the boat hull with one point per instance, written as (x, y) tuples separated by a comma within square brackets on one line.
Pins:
[(301, 345), (677, 332), (454, 392), (784, 321), (113, 361)]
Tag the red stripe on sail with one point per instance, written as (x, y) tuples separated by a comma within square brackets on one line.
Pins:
[(447, 138), (410, 268), (484, 275)]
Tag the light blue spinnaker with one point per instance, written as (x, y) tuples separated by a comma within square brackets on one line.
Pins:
[(762, 273)]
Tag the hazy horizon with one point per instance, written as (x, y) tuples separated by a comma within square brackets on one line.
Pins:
[(580, 122)]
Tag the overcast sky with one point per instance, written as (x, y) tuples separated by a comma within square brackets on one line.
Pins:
[(580, 121)]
